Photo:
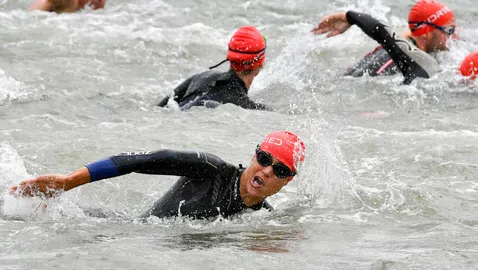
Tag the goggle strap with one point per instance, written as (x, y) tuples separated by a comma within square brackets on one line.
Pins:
[(222, 62)]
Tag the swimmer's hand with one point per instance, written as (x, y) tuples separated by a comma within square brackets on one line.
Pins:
[(46, 185), (51, 185), (334, 24)]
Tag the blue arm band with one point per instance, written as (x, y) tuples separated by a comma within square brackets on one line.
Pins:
[(102, 169)]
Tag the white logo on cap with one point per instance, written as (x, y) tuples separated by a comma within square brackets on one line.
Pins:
[(438, 14), (275, 141)]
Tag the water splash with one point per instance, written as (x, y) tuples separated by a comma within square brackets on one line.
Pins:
[(325, 180)]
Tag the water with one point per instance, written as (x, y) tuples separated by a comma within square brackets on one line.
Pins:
[(390, 178)]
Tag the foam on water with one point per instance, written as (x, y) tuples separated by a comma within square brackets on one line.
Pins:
[(12, 90)]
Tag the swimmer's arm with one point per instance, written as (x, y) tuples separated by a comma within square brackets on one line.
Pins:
[(396, 46), (247, 103), (179, 92), (49, 185), (43, 5), (196, 165), (163, 162)]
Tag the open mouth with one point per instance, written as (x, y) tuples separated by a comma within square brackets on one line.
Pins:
[(257, 182)]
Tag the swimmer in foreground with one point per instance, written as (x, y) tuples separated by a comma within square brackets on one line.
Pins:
[(431, 25), (246, 55), (469, 66), (60, 6), (208, 186)]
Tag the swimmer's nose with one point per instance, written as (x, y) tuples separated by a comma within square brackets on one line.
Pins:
[(268, 171)]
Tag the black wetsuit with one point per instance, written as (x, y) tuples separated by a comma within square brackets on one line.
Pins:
[(377, 62), (407, 58), (208, 186), (211, 89)]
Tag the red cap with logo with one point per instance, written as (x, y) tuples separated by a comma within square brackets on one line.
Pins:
[(469, 66), (286, 147), (428, 11), (247, 49)]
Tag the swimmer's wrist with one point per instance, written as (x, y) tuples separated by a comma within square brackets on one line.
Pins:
[(77, 178)]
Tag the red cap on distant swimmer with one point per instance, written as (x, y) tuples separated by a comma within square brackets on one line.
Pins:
[(428, 11), (247, 49), (469, 66), (286, 147)]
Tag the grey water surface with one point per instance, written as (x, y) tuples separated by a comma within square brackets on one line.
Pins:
[(390, 179)]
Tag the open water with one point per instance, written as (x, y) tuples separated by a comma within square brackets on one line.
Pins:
[(390, 179)]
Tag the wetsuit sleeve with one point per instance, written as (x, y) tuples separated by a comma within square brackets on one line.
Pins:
[(179, 92), (246, 103), (196, 165), (411, 61)]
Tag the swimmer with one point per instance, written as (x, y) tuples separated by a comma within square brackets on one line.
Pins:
[(208, 186), (60, 6), (431, 24), (246, 55)]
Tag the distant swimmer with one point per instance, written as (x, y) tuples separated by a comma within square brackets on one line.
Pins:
[(208, 186), (469, 66), (431, 24), (246, 54), (60, 6)]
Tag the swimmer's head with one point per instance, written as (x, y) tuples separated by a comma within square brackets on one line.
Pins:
[(247, 49), (276, 161), (286, 147), (469, 66), (433, 22)]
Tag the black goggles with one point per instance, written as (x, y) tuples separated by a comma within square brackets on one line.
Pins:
[(280, 170), (447, 30)]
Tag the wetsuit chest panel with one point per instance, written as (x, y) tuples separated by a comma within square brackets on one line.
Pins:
[(375, 63), (186, 198), (201, 198)]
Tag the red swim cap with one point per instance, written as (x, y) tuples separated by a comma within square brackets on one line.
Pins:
[(469, 66), (286, 147), (428, 11), (247, 49)]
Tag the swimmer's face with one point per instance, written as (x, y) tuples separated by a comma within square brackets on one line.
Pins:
[(261, 181), (97, 4), (438, 39)]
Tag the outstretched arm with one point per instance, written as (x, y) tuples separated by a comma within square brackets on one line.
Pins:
[(196, 165)]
